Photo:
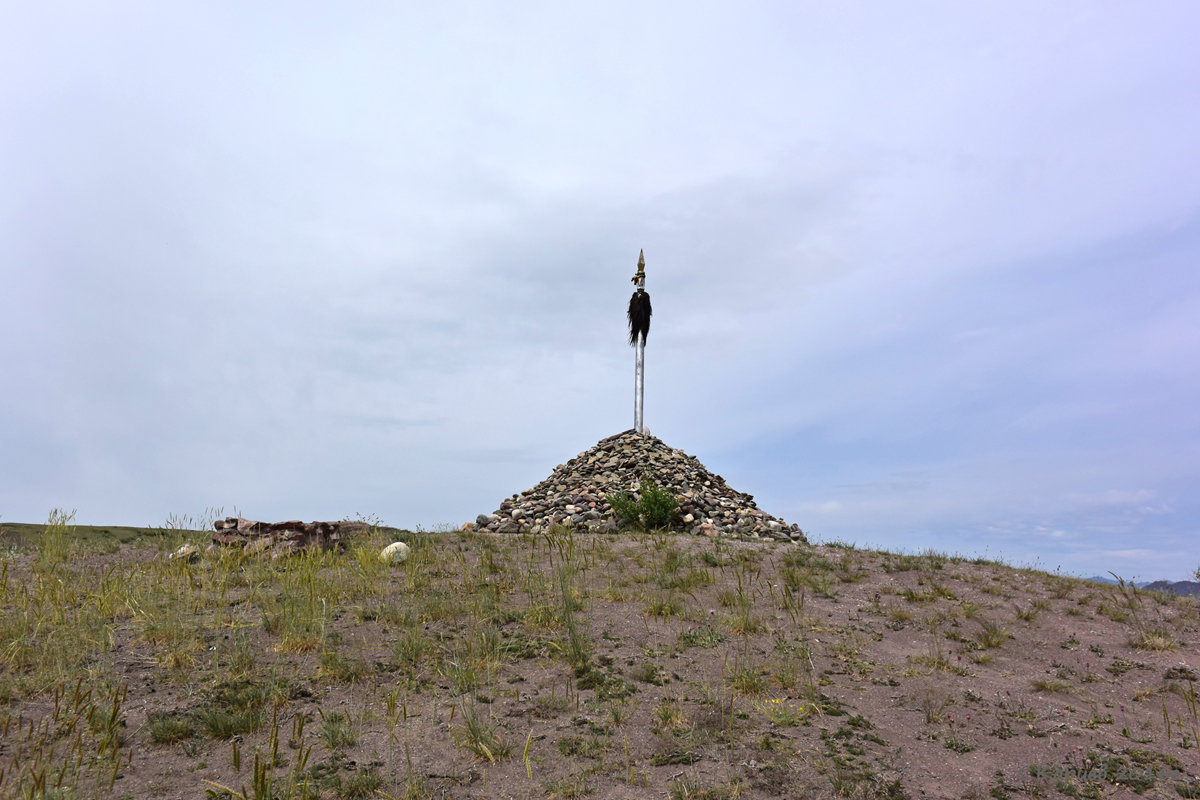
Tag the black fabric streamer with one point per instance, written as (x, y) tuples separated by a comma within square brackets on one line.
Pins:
[(639, 316)]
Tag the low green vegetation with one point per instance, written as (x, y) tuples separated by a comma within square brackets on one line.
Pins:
[(564, 664)]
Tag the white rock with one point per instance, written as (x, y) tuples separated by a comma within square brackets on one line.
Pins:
[(188, 552), (394, 553)]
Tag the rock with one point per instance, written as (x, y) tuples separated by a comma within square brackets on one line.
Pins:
[(395, 553), (285, 549), (187, 552), (281, 538), (259, 544), (576, 493)]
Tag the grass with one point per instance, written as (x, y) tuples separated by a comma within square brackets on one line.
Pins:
[(991, 634), (480, 736), (639, 662)]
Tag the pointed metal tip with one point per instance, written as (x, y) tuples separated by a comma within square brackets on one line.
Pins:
[(641, 258)]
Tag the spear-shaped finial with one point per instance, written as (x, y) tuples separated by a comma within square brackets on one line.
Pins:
[(639, 305)]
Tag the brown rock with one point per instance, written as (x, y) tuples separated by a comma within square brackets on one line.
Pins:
[(577, 492)]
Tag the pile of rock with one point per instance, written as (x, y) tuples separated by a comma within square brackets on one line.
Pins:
[(576, 494), (283, 538)]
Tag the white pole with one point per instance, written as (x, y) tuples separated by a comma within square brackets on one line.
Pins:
[(639, 386), (639, 372)]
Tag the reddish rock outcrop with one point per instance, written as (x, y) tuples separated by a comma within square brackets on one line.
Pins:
[(282, 538)]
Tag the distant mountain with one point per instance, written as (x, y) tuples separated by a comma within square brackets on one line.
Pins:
[(1180, 588), (1109, 579)]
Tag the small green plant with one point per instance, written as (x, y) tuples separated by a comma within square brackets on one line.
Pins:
[(550, 705), (658, 506), (785, 712), (746, 678), (593, 746), (700, 636), (171, 728), (1153, 640), (359, 786), (625, 509), (479, 736), (933, 704), (648, 672), (654, 509), (669, 717), (990, 634), (336, 733), (1027, 614)]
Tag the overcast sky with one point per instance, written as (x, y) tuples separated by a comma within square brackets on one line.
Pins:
[(924, 274)]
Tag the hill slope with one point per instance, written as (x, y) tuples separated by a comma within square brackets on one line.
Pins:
[(569, 665)]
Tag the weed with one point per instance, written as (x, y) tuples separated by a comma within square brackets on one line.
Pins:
[(648, 672), (1120, 666), (933, 704), (577, 647), (573, 785), (336, 732), (664, 606), (359, 785), (550, 705), (991, 634), (480, 737), (784, 712), (1027, 614), (171, 728), (1156, 640), (746, 678), (700, 636), (669, 717), (592, 746)]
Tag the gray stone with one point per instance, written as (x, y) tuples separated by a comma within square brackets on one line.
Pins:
[(576, 493)]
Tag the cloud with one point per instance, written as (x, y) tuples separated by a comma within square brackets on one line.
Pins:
[(922, 276)]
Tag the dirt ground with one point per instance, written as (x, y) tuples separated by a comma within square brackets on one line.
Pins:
[(570, 665)]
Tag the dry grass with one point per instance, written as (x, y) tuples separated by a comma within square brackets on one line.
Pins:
[(571, 665)]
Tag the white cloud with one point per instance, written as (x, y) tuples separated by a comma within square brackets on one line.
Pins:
[(926, 275)]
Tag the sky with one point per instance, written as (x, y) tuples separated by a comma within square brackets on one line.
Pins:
[(925, 274)]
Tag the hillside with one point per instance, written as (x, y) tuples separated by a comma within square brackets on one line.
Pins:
[(568, 664)]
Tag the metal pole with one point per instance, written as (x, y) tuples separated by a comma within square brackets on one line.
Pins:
[(639, 386), (638, 329)]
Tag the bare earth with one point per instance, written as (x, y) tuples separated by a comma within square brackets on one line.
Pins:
[(572, 665)]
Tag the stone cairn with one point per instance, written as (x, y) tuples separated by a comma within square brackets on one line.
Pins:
[(576, 494), (283, 538)]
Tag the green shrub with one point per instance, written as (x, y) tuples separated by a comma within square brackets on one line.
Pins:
[(625, 508), (655, 507), (658, 506)]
